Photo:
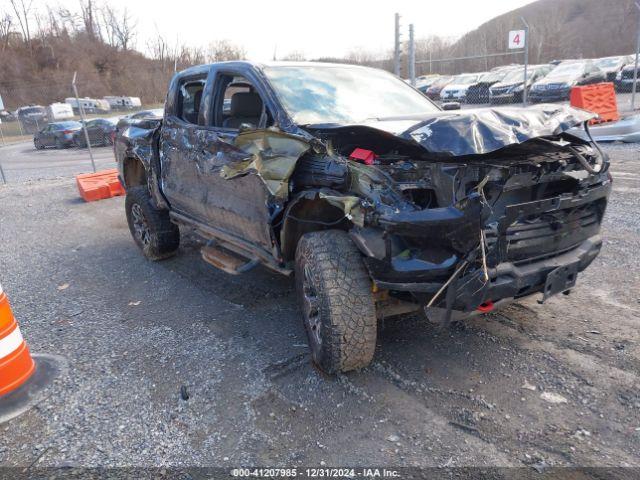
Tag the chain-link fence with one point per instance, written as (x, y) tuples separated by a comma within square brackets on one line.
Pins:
[(29, 107), (517, 60), (517, 83)]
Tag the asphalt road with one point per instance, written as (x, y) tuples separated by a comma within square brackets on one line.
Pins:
[(134, 332), (21, 162)]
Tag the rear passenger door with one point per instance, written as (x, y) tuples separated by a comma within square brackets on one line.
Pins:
[(195, 146)]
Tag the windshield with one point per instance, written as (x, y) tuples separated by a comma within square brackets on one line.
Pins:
[(442, 81), (493, 76), (517, 76), (343, 94), (465, 79), (607, 62), (567, 70)]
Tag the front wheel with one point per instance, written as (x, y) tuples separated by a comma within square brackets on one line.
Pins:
[(152, 230), (338, 309)]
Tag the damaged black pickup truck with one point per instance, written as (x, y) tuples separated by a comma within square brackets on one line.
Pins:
[(377, 200)]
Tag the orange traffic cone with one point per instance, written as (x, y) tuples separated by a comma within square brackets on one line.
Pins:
[(16, 364)]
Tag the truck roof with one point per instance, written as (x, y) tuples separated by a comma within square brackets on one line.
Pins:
[(200, 69)]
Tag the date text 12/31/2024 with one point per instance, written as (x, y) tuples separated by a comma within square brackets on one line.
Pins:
[(328, 472)]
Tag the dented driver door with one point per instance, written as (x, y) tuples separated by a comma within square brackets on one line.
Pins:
[(193, 155)]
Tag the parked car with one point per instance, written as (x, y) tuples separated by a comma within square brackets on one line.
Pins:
[(32, 117), (425, 81), (56, 134), (479, 92), (127, 119), (510, 89), (7, 116), (433, 92), (376, 207), (624, 78), (557, 84), (612, 65), (99, 130), (456, 89)]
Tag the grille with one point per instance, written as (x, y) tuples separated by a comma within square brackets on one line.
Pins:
[(549, 233)]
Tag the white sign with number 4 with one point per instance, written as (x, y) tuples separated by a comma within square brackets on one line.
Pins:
[(516, 39)]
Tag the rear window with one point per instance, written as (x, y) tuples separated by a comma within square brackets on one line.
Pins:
[(32, 110)]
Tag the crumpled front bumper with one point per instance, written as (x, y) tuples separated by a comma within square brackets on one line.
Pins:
[(509, 280), (520, 256)]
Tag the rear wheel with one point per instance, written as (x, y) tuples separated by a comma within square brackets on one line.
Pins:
[(152, 230), (338, 309)]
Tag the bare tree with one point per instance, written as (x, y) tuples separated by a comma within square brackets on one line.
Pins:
[(89, 19), (222, 50), (295, 56), (6, 23), (22, 10), (158, 48), (120, 27)]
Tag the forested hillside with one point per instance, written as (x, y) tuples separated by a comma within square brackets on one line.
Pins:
[(41, 47)]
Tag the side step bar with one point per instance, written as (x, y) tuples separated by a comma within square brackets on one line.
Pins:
[(238, 247), (227, 260)]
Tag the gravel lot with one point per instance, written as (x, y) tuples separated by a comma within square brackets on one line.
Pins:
[(134, 332)]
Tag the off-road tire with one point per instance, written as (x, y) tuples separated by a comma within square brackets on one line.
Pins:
[(161, 237), (347, 322)]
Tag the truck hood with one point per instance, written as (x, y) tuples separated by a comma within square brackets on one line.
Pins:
[(473, 132)]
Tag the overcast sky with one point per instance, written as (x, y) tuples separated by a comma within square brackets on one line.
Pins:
[(316, 28)]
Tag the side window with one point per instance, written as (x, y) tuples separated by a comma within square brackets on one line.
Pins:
[(239, 104), (190, 96)]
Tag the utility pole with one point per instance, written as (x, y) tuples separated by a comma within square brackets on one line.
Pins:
[(526, 61), (396, 48), (635, 69), (412, 56), (84, 120)]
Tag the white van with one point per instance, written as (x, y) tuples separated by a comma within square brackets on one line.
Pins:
[(59, 111)]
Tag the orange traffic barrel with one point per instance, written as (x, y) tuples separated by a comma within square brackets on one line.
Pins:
[(599, 98), (16, 364)]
